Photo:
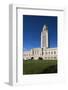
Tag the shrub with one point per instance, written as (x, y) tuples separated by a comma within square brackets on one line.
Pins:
[(32, 58), (40, 58)]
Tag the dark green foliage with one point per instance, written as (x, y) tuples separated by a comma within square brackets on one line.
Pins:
[(40, 58), (32, 58)]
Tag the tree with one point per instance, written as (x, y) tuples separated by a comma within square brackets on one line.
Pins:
[(32, 58), (40, 58)]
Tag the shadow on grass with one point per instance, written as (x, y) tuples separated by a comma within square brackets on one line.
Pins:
[(50, 69)]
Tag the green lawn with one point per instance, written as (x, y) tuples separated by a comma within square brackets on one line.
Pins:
[(39, 66)]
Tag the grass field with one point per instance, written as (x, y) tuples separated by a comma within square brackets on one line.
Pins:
[(39, 66)]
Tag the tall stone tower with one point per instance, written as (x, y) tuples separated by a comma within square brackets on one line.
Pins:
[(44, 37)]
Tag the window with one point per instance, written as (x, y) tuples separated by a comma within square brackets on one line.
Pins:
[(46, 52), (45, 57), (54, 52), (54, 57), (49, 52), (33, 52)]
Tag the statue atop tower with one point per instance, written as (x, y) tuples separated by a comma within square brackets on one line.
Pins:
[(45, 27)]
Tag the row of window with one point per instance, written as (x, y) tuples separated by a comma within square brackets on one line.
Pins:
[(43, 53), (50, 58), (50, 52)]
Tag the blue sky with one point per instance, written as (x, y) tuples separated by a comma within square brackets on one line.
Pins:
[(32, 27)]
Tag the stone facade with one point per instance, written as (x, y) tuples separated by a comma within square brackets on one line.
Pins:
[(44, 52)]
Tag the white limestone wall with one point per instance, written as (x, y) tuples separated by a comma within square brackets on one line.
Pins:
[(50, 54), (46, 54), (26, 55)]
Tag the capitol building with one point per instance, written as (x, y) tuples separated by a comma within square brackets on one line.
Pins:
[(44, 52)]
